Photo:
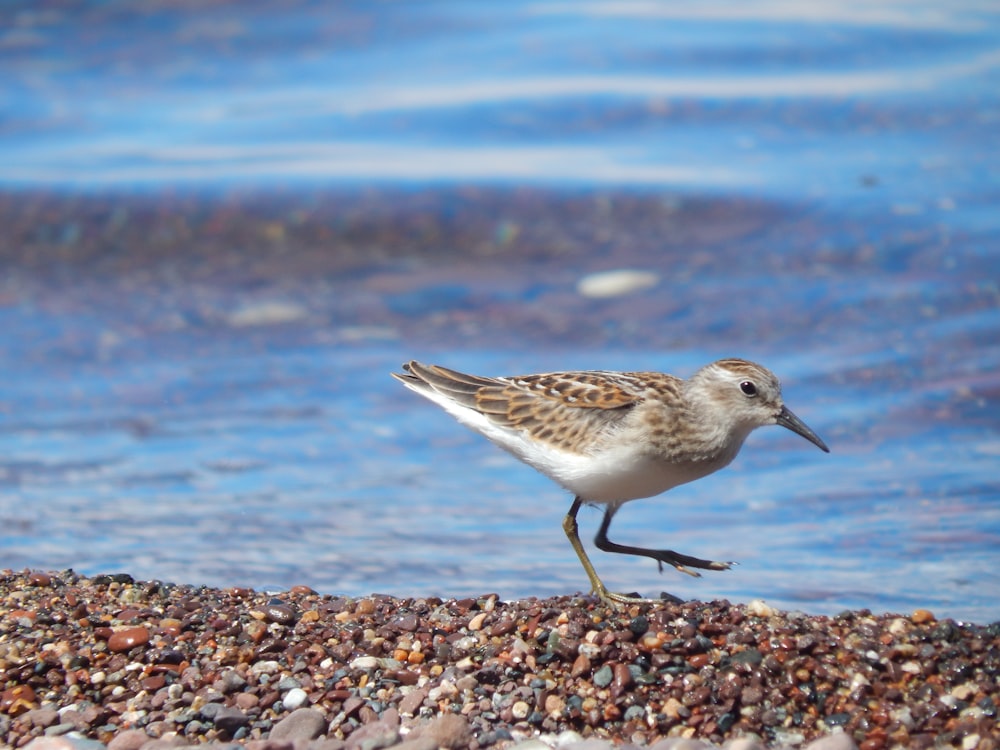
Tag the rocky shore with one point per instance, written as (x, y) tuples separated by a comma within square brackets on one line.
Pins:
[(106, 661)]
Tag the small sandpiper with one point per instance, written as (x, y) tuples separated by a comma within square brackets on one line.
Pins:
[(612, 437)]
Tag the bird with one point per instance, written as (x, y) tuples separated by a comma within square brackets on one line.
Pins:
[(612, 437)]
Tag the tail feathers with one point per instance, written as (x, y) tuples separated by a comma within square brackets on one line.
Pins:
[(457, 386)]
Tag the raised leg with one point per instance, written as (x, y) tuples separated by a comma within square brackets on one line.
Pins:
[(683, 563)]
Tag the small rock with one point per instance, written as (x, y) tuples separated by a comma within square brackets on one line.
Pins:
[(39, 578), (230, 682), (760, 608), (616, 283), (411, 702), (681, 743), (303, 724), (246, 701), (165, 743), (265, 666), (603, 676), (286, 684), (449, 731), (128, 638), (295, 698), (580, 666), (128, 739), (675, 710), (622, 679), (554, 704), (365, 662), (281, 613), (417, 743), (57, 730), (837, 741), (634, 713), (18, 700), (743, 743), (533, 744), (327, 743), (64, 743), (229, 719), (41, 717), (408, 623), (374, 736), (266, 314)]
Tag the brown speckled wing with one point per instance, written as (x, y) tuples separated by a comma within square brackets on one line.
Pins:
[(567, 410)]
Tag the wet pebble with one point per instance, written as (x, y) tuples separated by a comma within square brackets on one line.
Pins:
[(564, 672), (604, 676), (128, 638), (280, 612), (616, 283)]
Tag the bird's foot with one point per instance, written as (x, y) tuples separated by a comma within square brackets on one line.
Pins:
[(681, 562)]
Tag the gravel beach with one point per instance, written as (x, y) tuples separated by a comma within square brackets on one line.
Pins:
[(107, 661)]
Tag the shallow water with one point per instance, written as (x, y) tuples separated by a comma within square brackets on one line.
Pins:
[(196, 358)]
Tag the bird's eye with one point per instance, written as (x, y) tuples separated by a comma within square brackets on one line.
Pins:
[(748, 388)]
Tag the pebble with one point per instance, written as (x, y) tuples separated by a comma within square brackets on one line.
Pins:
[(604, 676), (616, 283), (301, 724), (128, 638), (564, 673), (267, 314), (230, 719), (295, 698)]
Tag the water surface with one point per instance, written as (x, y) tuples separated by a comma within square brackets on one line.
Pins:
[(225, 227)]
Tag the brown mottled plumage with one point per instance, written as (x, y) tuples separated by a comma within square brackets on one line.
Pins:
[(611, 437)]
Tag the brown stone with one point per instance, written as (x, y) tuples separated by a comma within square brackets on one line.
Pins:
[(129, 638)]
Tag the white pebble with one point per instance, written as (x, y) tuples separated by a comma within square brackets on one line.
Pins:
[(267, 314), (365, 662), (616, 283), (568, 738), (520, 710), (265, 667), (760, 608), (294, 698)]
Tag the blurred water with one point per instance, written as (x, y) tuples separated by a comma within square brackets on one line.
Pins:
[(196, 388)]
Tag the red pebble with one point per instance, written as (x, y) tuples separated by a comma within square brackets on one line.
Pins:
[(123, 640), (17, 700)]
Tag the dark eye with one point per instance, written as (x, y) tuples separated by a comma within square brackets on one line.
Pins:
[(748, 388)]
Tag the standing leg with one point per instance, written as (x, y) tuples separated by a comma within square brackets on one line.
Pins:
[(572, 530), (573, 533)]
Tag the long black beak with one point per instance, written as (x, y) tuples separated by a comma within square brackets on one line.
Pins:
[(796, 425)]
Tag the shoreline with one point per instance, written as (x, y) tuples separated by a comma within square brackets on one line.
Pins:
[(125, 663)]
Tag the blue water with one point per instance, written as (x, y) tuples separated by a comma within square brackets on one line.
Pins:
[(819, 191)]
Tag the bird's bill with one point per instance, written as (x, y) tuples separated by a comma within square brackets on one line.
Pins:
[(796, 425)]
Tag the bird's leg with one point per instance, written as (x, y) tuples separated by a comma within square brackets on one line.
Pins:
[(572, 532), (683, 563)]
